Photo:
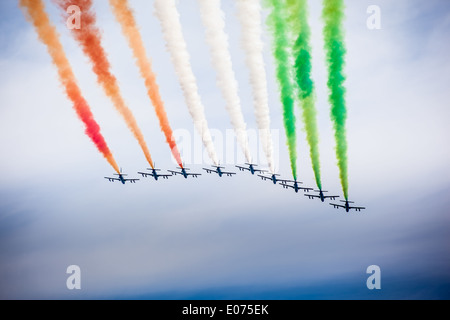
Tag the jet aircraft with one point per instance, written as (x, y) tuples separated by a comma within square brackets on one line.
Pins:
[(294, 185), (251, 168), (346, 206), (121, 178), (273, 178), (321, 196), (154, 173), (184, 173), (218, 170)]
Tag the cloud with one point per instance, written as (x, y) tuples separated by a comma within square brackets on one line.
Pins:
[(192, 236)]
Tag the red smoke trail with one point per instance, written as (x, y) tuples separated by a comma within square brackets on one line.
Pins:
[(89, 38), (35, 12)]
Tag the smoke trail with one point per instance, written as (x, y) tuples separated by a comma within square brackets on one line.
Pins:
[(277, 24), (333, 15), (35, 12), (125, 17), (301, 51), (169, 18), (212, 17), (89, 38), (249, 14)]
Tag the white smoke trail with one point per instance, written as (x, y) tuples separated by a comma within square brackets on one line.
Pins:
[(169, 18), (213, 20), (249, 14)]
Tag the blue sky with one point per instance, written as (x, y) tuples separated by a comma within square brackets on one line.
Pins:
[(236, 238)]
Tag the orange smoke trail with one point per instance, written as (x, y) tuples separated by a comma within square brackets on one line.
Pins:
[(125, 17), (89, 38), (35, 12)]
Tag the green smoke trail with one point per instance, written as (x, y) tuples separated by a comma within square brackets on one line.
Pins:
[(276, 22), (301, 51), (333, 15)]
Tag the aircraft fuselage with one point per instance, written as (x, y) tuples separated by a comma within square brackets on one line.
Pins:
[(274, 179), (321, 196), (347, 206)]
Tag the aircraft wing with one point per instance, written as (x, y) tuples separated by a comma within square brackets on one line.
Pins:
[(243, 168), (174, 172), (131, 180), (112, 179), (357, 208), (306, 189), (145, 174), (331, 197), (164, 175), (312, 196), (209, 170), (228, 173), (195, 175), (335, 205), (264, 177), (286, 181)]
